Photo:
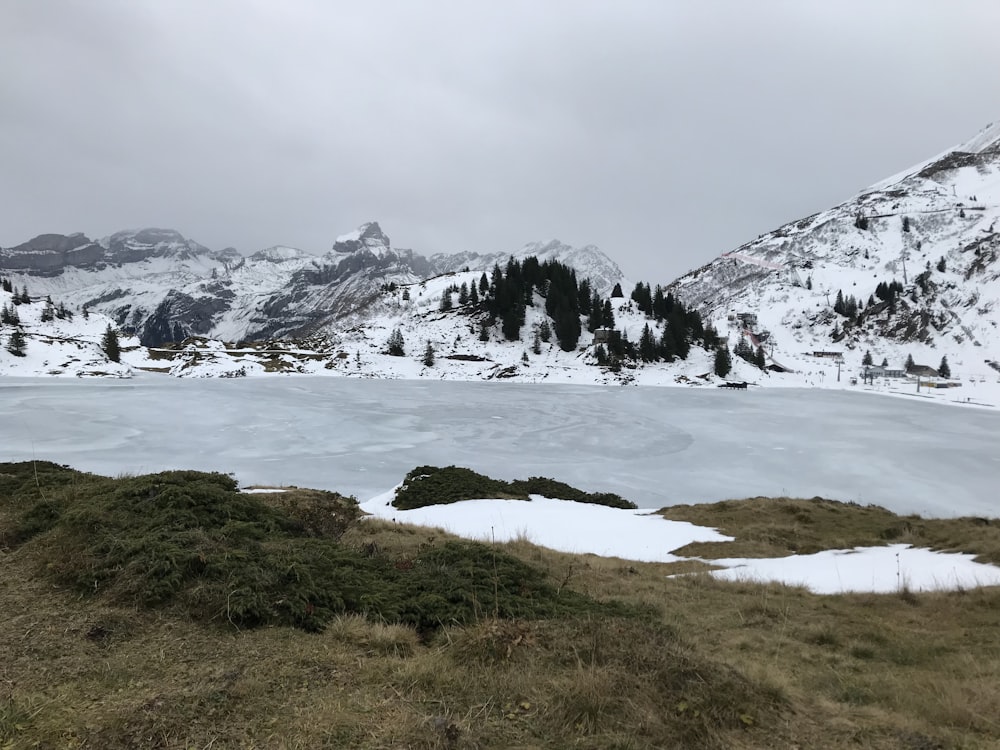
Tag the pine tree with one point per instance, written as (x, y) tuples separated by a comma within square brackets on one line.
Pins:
[(109, 343), (647, 345), (659, 304), (667, 345), (584, 297), (723, 362), (86, 313), (428, 358), (607, 315), (484, 331), (473, 295), (16, 344), (941, 265), (536, 344), (759, 358), (445, 305), (867, 359), (601, 354), (395, 343), (617, 291), (596, 314), (943, 369), (545, 331), (463, 294), (406, 294), (838, 305), (909, 362), (885, 361)]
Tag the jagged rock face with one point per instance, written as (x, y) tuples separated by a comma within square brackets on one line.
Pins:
[(165, 287), (368, 237), (179, 315), (50, 253), (932, 228), (135, 247)]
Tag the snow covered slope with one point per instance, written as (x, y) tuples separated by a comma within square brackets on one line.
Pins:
[(165, 287), (358, 347), (47, 339), (932, 229)]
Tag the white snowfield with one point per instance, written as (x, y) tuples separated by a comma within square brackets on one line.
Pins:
[(562, 525), (898, 567), (639, 535)]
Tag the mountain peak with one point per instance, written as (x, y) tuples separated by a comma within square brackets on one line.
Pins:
[(986, 140), (279, 254), (369, 236)]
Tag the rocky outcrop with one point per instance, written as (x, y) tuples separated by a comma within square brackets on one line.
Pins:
[(48, 254)]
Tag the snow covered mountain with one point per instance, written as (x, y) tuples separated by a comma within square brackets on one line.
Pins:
[(43, 337), (165, 287), (912, 259)]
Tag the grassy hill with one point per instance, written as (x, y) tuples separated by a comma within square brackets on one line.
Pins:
[(170, 610)]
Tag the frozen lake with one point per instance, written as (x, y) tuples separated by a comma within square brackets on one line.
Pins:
[(655, 446)]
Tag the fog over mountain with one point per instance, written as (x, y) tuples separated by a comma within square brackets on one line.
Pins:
[(663, 133)]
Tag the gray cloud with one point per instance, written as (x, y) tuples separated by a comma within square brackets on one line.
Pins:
[(666, 133)]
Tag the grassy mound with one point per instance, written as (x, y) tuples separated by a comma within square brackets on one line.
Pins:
[(775, 527), (720, 665), (433, 485), (190, 539)]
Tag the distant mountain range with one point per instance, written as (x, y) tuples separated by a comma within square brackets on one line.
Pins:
[(906, 268), (166, 287)]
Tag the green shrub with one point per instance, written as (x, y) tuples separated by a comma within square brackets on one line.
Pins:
[(432, 485), (191, 540)]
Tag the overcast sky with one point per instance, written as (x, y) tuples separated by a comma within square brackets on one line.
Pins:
[(664, 132)]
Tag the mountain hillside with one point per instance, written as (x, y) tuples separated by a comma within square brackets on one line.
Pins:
[(907, 268), (41, 336), (165, 287)]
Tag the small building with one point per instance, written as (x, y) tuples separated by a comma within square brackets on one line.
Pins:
[(878, 371), (748, 319), (828, 355), (923, 371), (607, 336)]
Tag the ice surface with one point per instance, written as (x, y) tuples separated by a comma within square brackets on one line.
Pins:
[(655, 446)]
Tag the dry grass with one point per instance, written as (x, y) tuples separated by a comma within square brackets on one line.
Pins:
[(725, 665), (774, 527)]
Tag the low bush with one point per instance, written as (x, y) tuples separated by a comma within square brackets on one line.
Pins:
[(192, 540), (433, 485)]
